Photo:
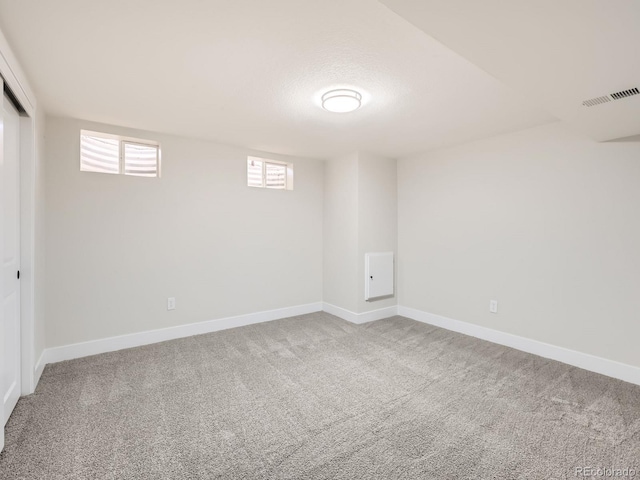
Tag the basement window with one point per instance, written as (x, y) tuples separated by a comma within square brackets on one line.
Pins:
[(265, 173), (105, 153)]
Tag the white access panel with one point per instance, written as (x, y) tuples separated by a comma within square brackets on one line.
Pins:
[(378, 271)]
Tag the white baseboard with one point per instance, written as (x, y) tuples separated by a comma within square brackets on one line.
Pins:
[(111, 344), (364, 317), (611, 368)]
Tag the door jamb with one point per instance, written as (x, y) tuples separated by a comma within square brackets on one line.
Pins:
[(16, 81)]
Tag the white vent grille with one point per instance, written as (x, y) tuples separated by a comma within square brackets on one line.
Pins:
[(592, 102)]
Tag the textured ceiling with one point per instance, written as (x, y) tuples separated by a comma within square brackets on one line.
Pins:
[(250, 73), (558, 53)]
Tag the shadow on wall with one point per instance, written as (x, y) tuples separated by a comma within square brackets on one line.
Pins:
[(631, 139)]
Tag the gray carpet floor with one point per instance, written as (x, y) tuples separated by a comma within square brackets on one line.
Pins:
[(314, 397)]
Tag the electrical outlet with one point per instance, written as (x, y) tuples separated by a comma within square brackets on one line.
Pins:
[(171, 303), (493, 306)]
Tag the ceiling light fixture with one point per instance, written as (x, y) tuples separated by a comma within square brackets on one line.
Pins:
[(341, 101)]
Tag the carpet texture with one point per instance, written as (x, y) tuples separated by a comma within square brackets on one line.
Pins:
[(315, 397)]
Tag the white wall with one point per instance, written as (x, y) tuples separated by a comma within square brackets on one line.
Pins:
[(360, 216), (543, 220), (340, 254), (118, 246), (377, 218)]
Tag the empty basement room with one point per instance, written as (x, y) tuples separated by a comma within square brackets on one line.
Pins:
[(337, 239)]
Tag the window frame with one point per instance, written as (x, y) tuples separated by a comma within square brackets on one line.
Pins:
[(122, 140), (288, 177)]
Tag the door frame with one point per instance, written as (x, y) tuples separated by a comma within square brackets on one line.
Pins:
[(15, 80)]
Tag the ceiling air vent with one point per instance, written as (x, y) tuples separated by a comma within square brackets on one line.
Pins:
[(625, 93), (595, 101), (592, 102)]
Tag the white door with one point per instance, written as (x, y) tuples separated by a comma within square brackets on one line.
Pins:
[(10, 255)]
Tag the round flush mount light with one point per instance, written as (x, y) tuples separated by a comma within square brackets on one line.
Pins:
[(343, 100)]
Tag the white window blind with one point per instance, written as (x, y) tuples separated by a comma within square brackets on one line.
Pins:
[(98, 154), (104, 153), (140, 160), (254, 172), (275, 176), (271, 174)]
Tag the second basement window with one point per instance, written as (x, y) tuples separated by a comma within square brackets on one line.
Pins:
[(104, 153), (264, 173)]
